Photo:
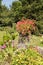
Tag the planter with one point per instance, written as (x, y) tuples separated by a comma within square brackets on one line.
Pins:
[(23, 38)]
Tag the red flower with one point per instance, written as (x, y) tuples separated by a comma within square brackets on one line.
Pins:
[(25, 26), (3, 47)]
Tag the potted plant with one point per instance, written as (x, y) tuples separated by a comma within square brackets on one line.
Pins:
[(25, 27)]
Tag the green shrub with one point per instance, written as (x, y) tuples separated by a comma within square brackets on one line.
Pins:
[(36, 32), (40, 26), (41, 42), (6, 37), (14, 35), (1, 28)]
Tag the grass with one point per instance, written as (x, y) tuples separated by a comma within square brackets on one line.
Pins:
[(2, 33), (36, 40)]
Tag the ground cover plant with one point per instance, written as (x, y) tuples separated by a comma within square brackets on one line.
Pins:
[(27, 57)]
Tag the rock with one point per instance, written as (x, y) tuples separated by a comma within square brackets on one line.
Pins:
[(22, 45), (40, 50)]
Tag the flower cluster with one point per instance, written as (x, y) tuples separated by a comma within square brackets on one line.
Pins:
[(25, 26), (3, 46)]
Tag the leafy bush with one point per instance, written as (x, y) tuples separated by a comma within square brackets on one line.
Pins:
[(14, 35), (36, 32), (9, 29), (41, 41), (6, 37), (40, 26), (25, 26), (1, 28), (27, 57)]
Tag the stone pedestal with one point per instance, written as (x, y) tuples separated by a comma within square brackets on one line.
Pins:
[(23, 39)]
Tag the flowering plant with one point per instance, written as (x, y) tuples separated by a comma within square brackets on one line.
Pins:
[(25, 26)]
